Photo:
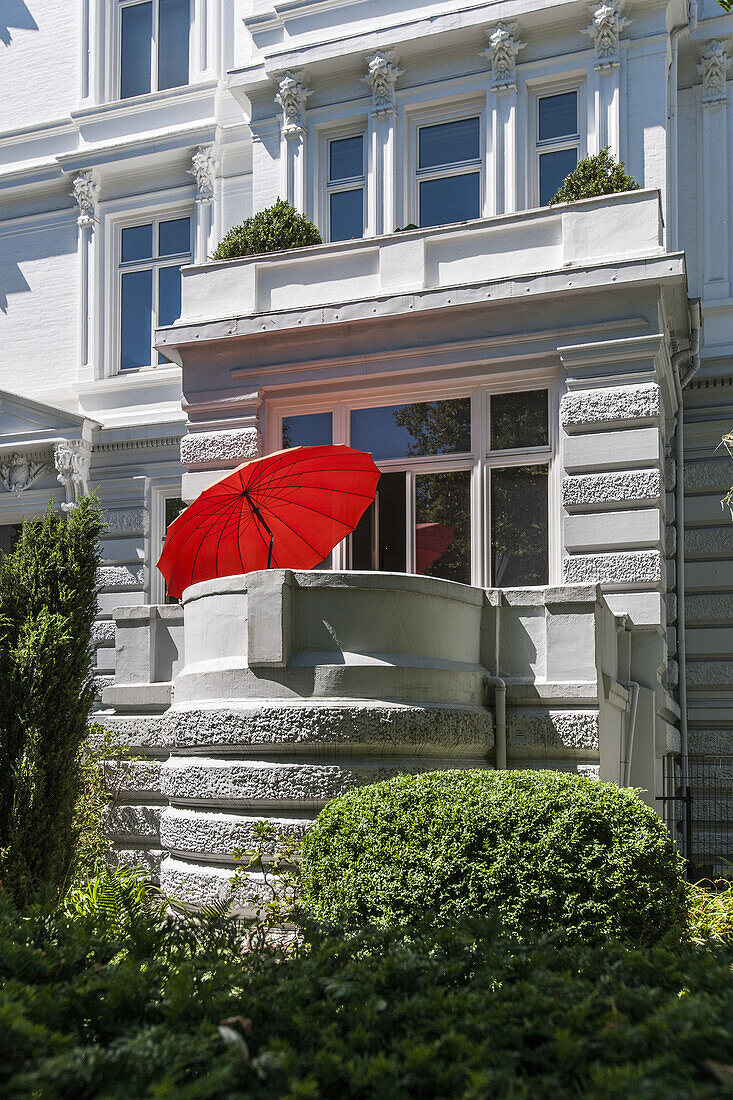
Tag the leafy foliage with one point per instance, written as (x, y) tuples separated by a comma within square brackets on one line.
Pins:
[(48, 602), (156, 1009), (275, 900), (539, 850), (598, 174), (728, 444), (275, 229), (710, 911)]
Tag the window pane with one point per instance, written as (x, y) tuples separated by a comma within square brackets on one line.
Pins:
[(137, 37), (449, 143), (137, 243), (425, 428), (451, 199), (558, 116), (137, 309), (443, 525), (309, 430), (173, 43), (346, 158), (169, 299), (518, 420), (554, 167), (391, 533), (347, 214), (519, 526), (174, 237)]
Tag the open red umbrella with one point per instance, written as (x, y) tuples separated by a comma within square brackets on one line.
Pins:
[(287, 510)]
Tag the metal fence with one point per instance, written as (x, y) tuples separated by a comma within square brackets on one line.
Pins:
[(700, 815)]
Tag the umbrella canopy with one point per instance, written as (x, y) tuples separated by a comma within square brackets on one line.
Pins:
[(287, 510)]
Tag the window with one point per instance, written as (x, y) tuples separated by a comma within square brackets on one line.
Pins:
[(154, 46), (345, 188), (308, 430), (449, 171), (172, 508), (151, 257), (558, 141)]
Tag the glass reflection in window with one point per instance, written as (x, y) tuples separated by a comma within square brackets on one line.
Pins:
[(421, 428), (519, 526), (518, 420)]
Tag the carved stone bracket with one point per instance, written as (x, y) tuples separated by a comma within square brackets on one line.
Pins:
[(19, 471), (72, 461), (203, 167), (381, 77), (713, 68), (502, 56), (85, 190), (292, 95), (605, 30)]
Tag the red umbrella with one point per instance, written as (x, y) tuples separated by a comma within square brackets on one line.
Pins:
[(287, 510)]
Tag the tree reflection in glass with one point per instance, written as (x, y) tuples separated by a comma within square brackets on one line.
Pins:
[(519, 526)]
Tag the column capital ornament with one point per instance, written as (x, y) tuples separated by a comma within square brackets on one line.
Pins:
[(381, 77), (203, 167), (292, 94), (84, 191), (72, 460), (504, 45), (605, 28), (713, 69), (18, 471)]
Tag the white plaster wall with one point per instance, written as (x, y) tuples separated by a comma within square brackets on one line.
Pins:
[(39, 61)]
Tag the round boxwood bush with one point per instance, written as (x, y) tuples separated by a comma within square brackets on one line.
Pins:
[(596, 175), (539, 850), (272, 230)]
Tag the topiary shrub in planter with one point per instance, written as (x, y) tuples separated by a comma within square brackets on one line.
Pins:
[(539, 850), (273, 230), (599, 174)]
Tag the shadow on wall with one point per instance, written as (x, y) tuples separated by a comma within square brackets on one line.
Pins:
[(14, 13), (22, 260)]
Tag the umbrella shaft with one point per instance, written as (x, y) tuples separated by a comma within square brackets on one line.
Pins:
[(261, 519)]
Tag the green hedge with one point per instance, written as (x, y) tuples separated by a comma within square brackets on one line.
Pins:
[(539, 850), (87, 1012), (598, 174), (273, 230)]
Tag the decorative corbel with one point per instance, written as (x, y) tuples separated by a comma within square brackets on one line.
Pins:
[(72, 460), (203, 168), (381, 77), (504, 45), (292, 95), (713, 69), (605, 31), (85, 191)]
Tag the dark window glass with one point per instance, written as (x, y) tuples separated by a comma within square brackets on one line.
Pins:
[(346, 158), (554, 167), (403, 431), (173, 29), (346, 214), (173, 508), (9, 535), (308, 430), (137, 309), (388, 542), (443, 525), (137, 243), (449, 143), (558, 116), (519, 420), (169, 299), (450, 199), (174, 237), (137, 37), (519, 526)]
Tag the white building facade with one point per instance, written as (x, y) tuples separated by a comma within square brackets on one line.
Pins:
[(517, 369)]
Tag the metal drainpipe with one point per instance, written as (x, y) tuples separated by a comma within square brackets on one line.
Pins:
[(499, 687), (630, 731)]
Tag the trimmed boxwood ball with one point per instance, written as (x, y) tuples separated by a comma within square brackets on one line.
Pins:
[(539, 850), (275, 229), (595, 175)]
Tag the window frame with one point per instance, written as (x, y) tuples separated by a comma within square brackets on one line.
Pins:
[(154, 89), (154, 263), (327, 188), (577, 141), (435, 115), (160, 492)]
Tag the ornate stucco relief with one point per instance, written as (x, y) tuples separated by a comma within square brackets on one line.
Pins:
[(501, 53), (381, 77), (713, 69), (84, 191), (19, 471), (203, 167), (72, 461), (605, 30), (292, 95)]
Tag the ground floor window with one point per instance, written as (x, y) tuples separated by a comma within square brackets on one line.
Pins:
[(464, 491)]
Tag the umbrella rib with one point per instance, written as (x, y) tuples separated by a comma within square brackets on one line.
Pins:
[(230, 514), (198, 550)]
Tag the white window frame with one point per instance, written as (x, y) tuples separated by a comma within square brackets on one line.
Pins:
[(479, 460), (577, 141), (154, 90), (160, 491), (154, 263), (455, 111), (322, 188)]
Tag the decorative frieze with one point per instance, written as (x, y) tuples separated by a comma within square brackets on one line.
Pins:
[(238, 445), (713, 69), (605, 30), (85, 191), (381, 77), (292, 95), (19, 471), (599, 489), (203, 167), (619, 403), (72, 460), (504, 45), (631, 568)]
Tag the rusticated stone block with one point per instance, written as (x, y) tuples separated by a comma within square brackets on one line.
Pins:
[(134, 777), (200, 885), (103, 633), (709, 542), (710, 674), (714, 475), (139, 823), (717, 607), (533, 727), (237, 445), (217, 835), (627, 485), (146, 860), (620, 403), (125, 521), (711, 742), (121, 576), (635, 567)]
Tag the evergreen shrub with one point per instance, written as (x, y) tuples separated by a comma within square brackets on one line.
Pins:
[(273, 230), (598, 174), (48, 602), (538, 850)]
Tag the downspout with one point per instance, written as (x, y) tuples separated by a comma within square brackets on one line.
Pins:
[(633, 688), (499, 686)]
